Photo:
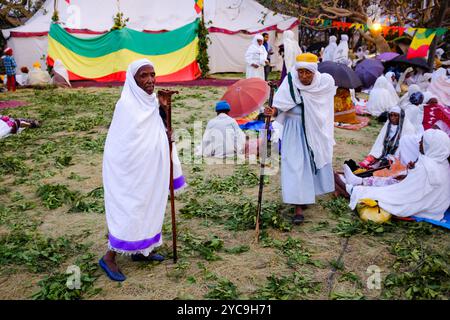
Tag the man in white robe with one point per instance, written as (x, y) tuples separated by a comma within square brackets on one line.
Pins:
[(136, 173), (304, 105), (256, 58), (425, 192), (223, 137)]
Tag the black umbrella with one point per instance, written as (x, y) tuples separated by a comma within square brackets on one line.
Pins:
[(343, 76), (415, 62), (316, 47)]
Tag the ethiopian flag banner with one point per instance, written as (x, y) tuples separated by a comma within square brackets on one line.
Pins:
[(106, 58), (421, 43)]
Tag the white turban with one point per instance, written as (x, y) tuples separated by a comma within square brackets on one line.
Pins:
[(311, 66)]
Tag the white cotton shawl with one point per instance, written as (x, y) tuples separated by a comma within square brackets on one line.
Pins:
[(291, 49), (425, 192), (382, 97), (341, 53), (440, 88), (328, 53), (61, 70), (136, 169), (409, 148), (255, 54), (318, 98)]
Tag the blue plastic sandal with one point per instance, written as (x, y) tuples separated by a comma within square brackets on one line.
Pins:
[(115, 276)]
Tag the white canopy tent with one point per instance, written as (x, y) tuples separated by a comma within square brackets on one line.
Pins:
[(232, 24)]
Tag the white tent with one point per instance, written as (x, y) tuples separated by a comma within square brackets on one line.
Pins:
[(232, 24)]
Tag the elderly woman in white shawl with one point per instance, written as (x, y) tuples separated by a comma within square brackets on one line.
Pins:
[(382, 97), (425, 192), (388, 139), (135, 171), (256, 58), (304, 104), (328, 53)]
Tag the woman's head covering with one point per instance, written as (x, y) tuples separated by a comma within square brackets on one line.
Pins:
[(131, 90), (439, 53), (344, 37), (427, 95), (222, 106), (395, 109), (416, 98), (288, 35), (436, 145), (256, 38), (307, 61), (332, 39)]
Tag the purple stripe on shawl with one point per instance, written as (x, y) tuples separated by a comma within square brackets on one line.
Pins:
[(133, 245), (179, 182)]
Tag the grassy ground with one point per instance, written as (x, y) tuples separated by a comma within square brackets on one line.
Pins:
[(52, 217)]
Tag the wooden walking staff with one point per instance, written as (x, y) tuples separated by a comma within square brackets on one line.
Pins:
[(168, 95), (273, 87)]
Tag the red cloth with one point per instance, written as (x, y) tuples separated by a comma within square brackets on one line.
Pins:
[(433, 113), (11, 83)]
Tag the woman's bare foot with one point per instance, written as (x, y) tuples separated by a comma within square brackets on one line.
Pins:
[(110, 260)]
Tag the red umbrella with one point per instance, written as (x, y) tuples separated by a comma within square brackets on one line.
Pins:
[(246, 96)]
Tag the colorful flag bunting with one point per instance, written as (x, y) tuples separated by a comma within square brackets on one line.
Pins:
[(198, 6)]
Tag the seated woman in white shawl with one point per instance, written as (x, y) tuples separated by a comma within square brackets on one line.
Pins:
[(37, 76), (304, 104), (382, 97), (388, 139), (222, 138), (256, 58), (425, 192), (60, 75), (136, 171), (328, 53)]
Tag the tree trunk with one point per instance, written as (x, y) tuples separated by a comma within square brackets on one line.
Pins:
[(438, 21)]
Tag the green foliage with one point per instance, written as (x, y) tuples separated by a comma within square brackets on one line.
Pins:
[(34, 251), (13, 165), (54, 196), (243, 216), (238, 249), (208, 209), (203, 40), (294, 251), (119, 21), (224, 289), (205, 248), (54, 287), (292, 287), (420, 271), (347, 296), (336, 206)]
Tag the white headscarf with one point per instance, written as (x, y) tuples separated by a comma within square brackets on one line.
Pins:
[(291, 49), (318, 98), (328, 53), (439, 53), (256, 53), (389, 76), (341, 53), (382, 97), (440, 87)]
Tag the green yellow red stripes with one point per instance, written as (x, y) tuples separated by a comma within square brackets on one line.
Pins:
[(106, 58), (421, 43), (149, 44)]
